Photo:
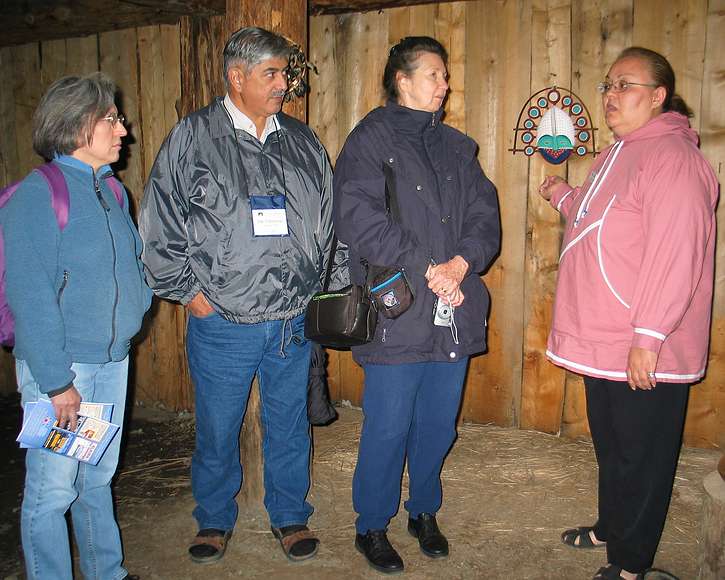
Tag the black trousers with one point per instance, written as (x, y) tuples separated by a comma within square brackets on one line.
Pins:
[(637, 437)]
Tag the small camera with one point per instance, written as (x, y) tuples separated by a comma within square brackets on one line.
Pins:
[(442, 313)]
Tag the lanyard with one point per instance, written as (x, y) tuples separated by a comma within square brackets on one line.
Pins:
[(241, 160)]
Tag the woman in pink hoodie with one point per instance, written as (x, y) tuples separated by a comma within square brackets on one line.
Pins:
[(633, 301)]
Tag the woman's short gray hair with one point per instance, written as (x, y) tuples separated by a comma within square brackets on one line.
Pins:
[(68, 112), (251, 45)]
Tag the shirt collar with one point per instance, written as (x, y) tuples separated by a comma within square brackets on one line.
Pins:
[(241, 121), (78, 164)]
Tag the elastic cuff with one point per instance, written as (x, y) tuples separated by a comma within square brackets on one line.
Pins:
[(560, 190), (60, 391), (646, 341), (189, 296)]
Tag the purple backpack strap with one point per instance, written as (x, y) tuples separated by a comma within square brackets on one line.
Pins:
[(115, 186), (59, 196)]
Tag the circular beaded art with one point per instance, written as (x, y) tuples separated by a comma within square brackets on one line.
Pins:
[(556, 123)]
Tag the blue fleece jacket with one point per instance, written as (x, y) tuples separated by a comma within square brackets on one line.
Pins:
[(78, 295)]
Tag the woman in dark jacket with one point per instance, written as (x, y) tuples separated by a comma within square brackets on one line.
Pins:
[(447, 231)]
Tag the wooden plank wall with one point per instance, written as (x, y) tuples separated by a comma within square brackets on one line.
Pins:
[(145, 63), (501, 51)]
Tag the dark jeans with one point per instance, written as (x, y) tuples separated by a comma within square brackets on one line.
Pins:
[(223, 359), (637, 437), (410, 410)]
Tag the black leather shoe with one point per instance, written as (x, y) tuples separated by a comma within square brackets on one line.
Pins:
[(432, 542), (378, 551)]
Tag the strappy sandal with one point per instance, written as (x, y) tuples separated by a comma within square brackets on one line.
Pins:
[(209, 545), (657, 574), (298, 542), (569, 537), (612, 572)]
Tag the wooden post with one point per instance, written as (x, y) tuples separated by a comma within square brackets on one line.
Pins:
[(288, 18), (712, 533)]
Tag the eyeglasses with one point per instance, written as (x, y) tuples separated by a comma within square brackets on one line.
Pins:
[(620, 86), (114, 118)]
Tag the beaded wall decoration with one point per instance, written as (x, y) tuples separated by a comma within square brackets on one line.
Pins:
[(556, 123)]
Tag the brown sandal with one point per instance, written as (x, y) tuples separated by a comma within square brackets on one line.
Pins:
[(297, 541), (209, 545)]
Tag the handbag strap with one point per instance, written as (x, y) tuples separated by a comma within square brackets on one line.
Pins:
[(330, 261), (391, 196)]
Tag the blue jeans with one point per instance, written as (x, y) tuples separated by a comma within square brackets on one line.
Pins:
[(54, 483), (223, 359), (410, 410)]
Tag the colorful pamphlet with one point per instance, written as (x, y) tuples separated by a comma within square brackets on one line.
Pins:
[(87, 443)]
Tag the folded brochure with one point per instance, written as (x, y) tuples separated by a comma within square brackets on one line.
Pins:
[(87, 443)]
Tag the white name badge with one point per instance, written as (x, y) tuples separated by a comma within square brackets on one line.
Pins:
[(269, 215)]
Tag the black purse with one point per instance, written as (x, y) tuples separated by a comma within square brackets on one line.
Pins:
[(390, 290), (340, 318)]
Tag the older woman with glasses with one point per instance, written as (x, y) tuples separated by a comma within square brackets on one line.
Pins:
[(633, 301), (77, 292)]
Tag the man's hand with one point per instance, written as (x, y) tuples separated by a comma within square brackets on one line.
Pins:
[(445, 280), (641, 366), (66, 407), (199, 307)]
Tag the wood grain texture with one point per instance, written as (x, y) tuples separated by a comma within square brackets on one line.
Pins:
[(497, 66), (677, 30), (318, 7), (543, 383), (161, 370), (26, 88), (202, 70), (43, 20), (285, 17), (706, 411)]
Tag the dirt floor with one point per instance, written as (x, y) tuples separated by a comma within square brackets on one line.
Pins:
[(508, 495)]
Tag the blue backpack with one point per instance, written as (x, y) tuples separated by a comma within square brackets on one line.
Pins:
[(60, 200)]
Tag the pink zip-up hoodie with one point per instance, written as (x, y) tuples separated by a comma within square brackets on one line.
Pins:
[(637, 259)]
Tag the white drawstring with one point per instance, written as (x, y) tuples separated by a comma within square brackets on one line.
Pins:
[(594, 187), (453, 327), (285, 323)]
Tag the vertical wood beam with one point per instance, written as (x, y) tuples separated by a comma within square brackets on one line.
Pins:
[(543, 383)]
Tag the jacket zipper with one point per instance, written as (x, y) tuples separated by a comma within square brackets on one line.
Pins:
[(63, 285), (106, 211)]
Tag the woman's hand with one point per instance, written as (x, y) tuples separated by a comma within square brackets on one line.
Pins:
[(199, 306), (66, 407), (445, 280), (547, 186), (641, 365)]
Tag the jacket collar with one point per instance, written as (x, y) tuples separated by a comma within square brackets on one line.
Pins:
[(220, 125), (70, 161), (411, 121)]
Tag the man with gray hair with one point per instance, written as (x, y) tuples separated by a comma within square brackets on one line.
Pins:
[(237, 225)]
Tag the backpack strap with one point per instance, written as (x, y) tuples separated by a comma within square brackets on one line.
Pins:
[(59, 196), (116, 188)]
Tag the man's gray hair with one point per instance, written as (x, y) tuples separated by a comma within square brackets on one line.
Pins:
[(251, 45), (68, 112)]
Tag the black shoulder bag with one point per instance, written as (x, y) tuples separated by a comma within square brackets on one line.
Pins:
[(340, 318)]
